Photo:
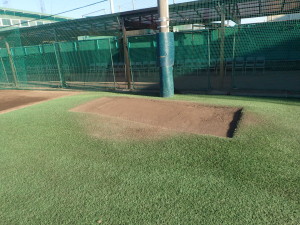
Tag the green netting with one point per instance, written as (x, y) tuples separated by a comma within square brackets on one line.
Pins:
[(67, 64), (144, 69), (262, 56), (13, 73), (214, 49)]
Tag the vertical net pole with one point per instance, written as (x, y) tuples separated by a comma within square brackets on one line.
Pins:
[(112, 6), (58, 61), (233, 58), (209, 59), (112, 63), (126, 57), (12, 65), (222, 45), (130, 65), (4, 70)]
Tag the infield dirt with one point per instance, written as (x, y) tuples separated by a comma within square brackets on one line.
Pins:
[(136, 118), (15, 99), (144, 117)]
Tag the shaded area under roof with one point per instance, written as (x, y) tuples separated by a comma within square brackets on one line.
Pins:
[(202, 11)]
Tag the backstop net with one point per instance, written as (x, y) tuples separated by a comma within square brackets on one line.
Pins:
[(219, 45)]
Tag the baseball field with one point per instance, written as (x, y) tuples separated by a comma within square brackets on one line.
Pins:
[(105, 158)]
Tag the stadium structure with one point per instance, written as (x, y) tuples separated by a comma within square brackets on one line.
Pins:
[(215, 49), (20, 18)]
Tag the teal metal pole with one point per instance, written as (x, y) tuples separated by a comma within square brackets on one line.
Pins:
[(166, 51), (166, 62)]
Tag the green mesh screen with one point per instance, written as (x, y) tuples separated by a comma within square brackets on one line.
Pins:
[(81, 64), (144, 69), (13, 69), (252, 59), (219, 45)]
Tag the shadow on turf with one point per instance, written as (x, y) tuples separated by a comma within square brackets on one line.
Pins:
[(234, 123)]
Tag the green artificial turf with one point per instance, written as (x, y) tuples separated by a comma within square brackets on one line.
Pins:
[(52, 172)]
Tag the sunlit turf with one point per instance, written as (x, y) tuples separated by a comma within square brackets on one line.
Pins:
[(52, 172)]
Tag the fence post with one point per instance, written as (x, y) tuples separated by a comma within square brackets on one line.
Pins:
[(222, 45), (12, 65), (4, 70), (233, 58), (126, 57), (112, 63), (208, 69), (58, 62)]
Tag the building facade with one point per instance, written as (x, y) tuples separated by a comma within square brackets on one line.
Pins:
[(12, 18)]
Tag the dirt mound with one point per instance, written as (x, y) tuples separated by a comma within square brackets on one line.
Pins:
[(15, 99), (167, 115)]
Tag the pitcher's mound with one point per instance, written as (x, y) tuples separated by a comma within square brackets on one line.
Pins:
[(176, 116)]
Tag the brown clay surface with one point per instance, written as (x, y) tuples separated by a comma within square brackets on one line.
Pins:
[(15, 99), (176, 116)]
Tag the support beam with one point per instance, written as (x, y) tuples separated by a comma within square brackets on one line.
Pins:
[(134, 25)]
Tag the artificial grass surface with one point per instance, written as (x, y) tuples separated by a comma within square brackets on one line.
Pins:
[(51, 172)]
